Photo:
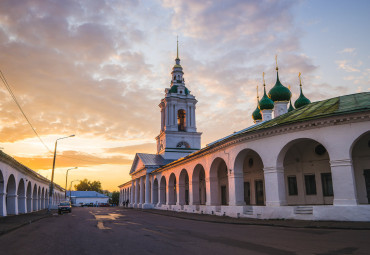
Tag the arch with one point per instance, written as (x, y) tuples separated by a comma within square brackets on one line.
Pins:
[(360, 154), (307, 172), (29, 197), (21, 193), (155, 191), (11, 196), (34, 198), (172, 190), (2, 197), (184, 187), (181, 120), (199, 185), (219, 184), (162, 191), (249, 178)]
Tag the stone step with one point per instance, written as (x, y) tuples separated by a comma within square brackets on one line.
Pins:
[(303, 210)]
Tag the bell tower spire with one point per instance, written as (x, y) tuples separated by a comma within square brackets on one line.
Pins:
[(178, 136)]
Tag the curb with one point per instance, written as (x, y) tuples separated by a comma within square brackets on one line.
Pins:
[(255, 223)]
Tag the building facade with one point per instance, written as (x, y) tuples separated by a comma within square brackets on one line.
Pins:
[(22, 190), (310, 163)]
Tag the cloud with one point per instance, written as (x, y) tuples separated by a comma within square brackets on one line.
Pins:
[(347, 50), (142, 148), (71, 159), (344, 65)]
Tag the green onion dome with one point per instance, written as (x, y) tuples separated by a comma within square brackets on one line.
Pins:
[(256, 115), (174, 90), (291, 108), (265, 103), (302, 100), (279, 93)]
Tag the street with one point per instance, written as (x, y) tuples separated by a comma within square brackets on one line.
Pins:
[(115, 230)]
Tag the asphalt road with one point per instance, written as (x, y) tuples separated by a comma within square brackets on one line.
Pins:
[(125, 231)]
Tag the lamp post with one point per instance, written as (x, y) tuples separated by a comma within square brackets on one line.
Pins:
[(51, 190), (65, 190), (70, 188)]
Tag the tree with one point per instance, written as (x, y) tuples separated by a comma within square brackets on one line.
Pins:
[(115, 197), (86, 185)]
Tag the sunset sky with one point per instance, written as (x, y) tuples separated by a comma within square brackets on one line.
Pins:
[(98, 69)]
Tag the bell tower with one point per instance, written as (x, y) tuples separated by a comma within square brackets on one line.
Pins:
[(178, 136)]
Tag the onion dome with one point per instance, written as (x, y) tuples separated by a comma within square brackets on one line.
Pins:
[(256, 115), (302, 100), (265, 103), (279, 93), (291, 108)]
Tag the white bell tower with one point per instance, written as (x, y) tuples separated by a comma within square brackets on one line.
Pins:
[(178, 136)]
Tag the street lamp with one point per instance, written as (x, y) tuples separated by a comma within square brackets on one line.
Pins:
[(51, 190), (65, 190), (70, 188)]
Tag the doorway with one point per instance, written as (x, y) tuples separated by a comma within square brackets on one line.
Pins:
[(247, 193), (367, 183), (259, 192)]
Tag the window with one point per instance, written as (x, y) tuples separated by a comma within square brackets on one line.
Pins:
[(310, 182), (327, 185), (181, 120), (292, 185)]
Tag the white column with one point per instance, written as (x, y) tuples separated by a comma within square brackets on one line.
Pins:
[(344, 186), (191, 193), (22, 204), (236, 188), (141, 191), (132, 193), (180, 194), (147, 193), (193, 116), (137, 193), (194, 197), (2, 204), (274, 186), (212, 186), (12, 204)]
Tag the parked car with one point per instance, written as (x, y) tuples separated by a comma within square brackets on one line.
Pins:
[(104, 205), (64, 207)]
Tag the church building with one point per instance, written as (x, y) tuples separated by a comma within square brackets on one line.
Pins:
[(310, 161)]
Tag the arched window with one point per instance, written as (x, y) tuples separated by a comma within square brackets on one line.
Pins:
[(181, 120)]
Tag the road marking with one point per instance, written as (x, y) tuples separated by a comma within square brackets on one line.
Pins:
[(134, 223), (101, 225), (156, 232), (118, 223)]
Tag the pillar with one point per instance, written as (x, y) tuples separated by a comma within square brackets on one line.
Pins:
[(137, 193), (22, 204), (147, 204), (132, 193), (236, 188), (2, 204), (194, 197), (11, 204), (274, 186), (142, 190), (344, 185), (213, 195), (180, 194)]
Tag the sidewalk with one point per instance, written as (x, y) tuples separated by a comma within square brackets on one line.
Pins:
[(13, 222), (277, 223)]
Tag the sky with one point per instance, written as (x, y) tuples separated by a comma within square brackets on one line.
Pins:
[(98, 69)]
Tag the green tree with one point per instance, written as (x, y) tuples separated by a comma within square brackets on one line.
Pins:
[(86, 185), (115, 197)]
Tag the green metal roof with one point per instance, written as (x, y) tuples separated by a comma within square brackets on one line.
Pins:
[(174, 90)]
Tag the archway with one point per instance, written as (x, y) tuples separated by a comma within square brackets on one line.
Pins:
[(249, 178), (2, 196), (172, 190), (162, 191), (11, 196), (219, 184), (361, 167), (34, 198), (21, 197), (184, 187), (155, 191), (307, 173), (29, 197)]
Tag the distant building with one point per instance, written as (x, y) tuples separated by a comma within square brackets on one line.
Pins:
[(86, 197), (310, 162)]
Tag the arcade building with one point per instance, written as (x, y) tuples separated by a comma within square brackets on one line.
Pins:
[(310, 161)]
